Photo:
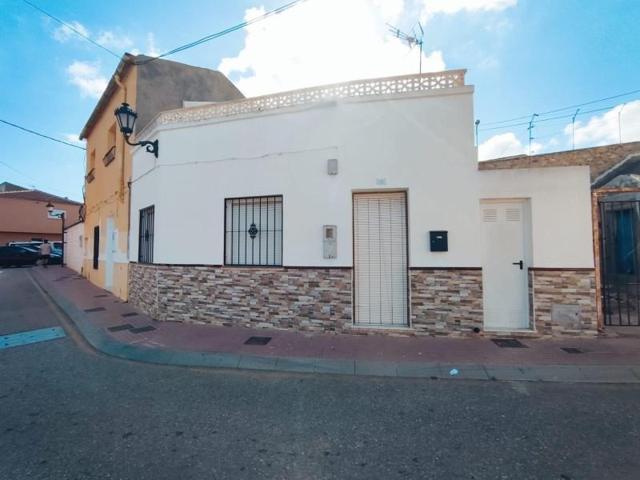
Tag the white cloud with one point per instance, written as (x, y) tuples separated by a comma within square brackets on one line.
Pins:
[(63, 33), (152, 49), (73, 138), (603, 129), (87, 77), (506, 145), (115, 41), (297, 49), (450, 7)]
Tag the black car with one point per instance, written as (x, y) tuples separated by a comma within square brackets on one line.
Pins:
[(17, 257)]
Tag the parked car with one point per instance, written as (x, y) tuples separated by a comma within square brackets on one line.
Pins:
[(11, 256), (54, 259)]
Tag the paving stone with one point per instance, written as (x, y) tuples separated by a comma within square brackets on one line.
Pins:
[(418, 370), (380, 369), (338, 366), (296, 364), (257, 363)]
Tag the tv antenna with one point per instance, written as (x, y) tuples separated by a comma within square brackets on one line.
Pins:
[(412, 40)]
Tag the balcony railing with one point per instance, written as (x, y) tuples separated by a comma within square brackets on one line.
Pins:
[(359, 88)]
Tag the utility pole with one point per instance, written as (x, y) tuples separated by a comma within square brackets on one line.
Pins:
[(530, 128), (620, 122), (573, 130)]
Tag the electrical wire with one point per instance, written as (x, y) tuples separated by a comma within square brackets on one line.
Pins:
[(181, 48), (33, 132), (72, 28), (565, 108), (221, 33), (548, 119)]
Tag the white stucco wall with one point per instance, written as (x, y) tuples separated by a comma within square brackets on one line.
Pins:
[(74, 247), (420, 143)]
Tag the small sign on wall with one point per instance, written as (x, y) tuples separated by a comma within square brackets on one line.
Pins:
[(55, 214)]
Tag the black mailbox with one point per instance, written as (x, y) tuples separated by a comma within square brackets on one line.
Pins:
[(439, 240)]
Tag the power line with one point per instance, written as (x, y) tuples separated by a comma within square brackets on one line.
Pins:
[(72, 28), (570, 115), (36, 182), (570, 107), (181, 48), (33, 132), (221, 33)]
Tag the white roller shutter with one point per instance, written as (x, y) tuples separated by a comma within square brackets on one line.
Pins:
[(380, 258)]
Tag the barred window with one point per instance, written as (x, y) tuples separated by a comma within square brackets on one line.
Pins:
[(145, 238), (253, 231)]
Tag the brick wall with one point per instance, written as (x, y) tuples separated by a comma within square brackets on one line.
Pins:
[(600, 159), (308, 299), (563, 301), (447, 301)]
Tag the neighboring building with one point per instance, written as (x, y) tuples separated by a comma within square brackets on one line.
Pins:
[(74, 246), (149, 86), (24, 215), (356, 207), (615, 182)]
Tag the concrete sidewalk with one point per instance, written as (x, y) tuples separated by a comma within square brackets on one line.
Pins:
[(115, 328)]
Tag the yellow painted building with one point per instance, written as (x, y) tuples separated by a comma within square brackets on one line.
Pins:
[(149, 86)]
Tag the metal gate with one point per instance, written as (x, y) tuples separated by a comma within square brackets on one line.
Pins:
[(619, 257)]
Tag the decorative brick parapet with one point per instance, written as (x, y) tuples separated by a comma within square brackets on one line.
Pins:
[(446, 301), (307, 299), (563, 301)]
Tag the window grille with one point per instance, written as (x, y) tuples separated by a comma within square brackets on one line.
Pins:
[(253, 231), (145, 240)]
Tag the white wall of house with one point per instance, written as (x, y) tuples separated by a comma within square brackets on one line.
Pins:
[(421, 143), (560, 202), (74, 246)]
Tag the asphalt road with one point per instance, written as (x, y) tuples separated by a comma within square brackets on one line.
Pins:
[(69, 413)]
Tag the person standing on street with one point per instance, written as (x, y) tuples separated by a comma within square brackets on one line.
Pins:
[(45, 252)]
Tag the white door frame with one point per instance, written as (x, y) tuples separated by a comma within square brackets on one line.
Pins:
[(110, 248), (406, 323), (503, 279)]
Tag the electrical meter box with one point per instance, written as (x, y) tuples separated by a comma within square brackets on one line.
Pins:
[(329, 241)]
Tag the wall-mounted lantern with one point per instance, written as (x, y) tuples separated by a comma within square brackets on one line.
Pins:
[(126, 117)]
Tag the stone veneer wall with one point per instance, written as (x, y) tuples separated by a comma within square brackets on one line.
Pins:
[(446, 301), (443, 301), (308, 299), (563, 301)]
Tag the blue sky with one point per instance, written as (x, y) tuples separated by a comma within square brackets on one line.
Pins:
[(523, 56)]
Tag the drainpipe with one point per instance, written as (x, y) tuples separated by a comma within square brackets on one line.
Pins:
[(116, 77)]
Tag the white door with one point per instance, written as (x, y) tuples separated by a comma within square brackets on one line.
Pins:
[(109, 252), (380, 259), (505, 266)]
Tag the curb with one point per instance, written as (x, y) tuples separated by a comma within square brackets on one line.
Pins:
[(102, 342)]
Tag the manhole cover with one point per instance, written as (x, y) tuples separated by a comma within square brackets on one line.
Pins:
[(96, 309), (508, 343), (129, 314), (119, 328), (257, 341), (572, 350), (146, 328)]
